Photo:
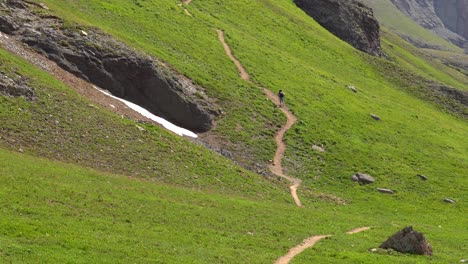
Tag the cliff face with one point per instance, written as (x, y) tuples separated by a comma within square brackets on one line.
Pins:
[(446, 18), (454, 15), (349, 20)]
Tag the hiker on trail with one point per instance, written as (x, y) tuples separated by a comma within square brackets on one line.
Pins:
[(281, 98)]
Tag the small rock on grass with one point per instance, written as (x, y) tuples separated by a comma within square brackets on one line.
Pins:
[(318, 148), (384, 190), (448, 200), (352, 88), (423, 177), (362, 178), (376, 117)]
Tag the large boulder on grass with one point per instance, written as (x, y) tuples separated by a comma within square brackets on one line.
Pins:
[(408, 241)]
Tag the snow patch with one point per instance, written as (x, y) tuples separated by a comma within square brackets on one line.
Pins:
[(166, 124)]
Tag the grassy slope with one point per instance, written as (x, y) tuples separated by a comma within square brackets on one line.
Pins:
[(58, 213), (62, 125), (392, 18), (285, 49)]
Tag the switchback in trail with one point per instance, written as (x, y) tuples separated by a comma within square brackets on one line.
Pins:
[(276, 167)]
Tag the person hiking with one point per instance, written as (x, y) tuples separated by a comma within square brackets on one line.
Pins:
[(281, 98)]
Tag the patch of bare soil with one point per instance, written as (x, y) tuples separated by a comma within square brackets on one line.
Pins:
[(358, 230)]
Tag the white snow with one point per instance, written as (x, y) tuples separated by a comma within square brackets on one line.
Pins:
[(168, 125)]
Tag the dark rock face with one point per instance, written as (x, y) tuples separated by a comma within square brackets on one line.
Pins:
[(15, 88), (349, 20), (362, 178), (446, 18), (454, 15), (408, 241), (107, 63)]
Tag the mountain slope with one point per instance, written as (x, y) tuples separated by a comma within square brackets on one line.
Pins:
[(281, 49), (391, 17)]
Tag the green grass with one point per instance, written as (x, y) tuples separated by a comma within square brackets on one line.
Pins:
[(70, 214), (281, 49)]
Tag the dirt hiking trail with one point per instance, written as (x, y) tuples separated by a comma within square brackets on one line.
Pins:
[(358, 230), (307, 243), (276, 168), (88, 90)]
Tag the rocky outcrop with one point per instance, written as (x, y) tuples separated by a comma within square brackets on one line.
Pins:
[(408, 241), (15, 88), (446, 18), (349, 20), (98, 58), (454, 15), (450, 98)]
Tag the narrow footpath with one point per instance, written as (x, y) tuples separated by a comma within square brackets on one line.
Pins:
[(276, 168)]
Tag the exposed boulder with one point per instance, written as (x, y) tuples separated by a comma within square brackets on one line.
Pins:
[(408, 241), (100, 59), (349, 20), (362, 178)]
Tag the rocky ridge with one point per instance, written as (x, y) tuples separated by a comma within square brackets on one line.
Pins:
[(98, 58), (446, 18)]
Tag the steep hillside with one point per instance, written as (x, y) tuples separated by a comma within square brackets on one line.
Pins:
[(441, 17), (401, 23), (215, 211), (454, 15)]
